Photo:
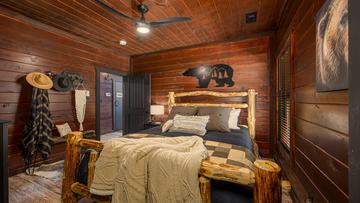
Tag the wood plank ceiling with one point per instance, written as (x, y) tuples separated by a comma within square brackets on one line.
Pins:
[(213, 20)]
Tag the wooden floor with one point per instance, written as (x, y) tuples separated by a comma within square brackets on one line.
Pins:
[(37, 189), (28, 189)]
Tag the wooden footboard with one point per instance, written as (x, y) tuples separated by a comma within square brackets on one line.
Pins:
[(72, 189)]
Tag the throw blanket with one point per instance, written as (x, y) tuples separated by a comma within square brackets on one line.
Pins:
[(37, 132), (150, 170)]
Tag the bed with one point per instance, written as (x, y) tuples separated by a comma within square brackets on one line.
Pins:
[(224, 173)]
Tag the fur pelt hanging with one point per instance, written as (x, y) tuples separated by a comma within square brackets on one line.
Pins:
[(37, 132)]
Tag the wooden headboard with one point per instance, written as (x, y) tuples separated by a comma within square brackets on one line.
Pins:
[(250, 105)]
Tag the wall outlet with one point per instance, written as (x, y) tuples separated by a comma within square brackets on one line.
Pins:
[(309, 200)]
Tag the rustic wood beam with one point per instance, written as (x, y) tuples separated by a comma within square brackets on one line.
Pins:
[(91, 167), (70, 167), (205, 189), (83, 190), (267, 182), (226, 172), (240, 106)]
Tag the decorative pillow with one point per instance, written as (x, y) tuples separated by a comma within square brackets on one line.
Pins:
[(219, 118), (234, 118), (167, 125), (64, 129), (182, 110), (195, 125)]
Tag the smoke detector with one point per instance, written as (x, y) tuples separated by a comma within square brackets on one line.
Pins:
[(122, 42)]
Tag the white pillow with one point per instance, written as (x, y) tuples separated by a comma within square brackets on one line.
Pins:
[(64, 129), (234, 118), (167, 125), (195, 125)]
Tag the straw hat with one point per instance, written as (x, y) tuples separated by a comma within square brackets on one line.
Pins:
[(39, 80)]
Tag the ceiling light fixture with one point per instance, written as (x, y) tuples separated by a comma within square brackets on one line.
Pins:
[(142, 28)]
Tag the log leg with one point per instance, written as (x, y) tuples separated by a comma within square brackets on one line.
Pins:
[(70, 165), (205, 189), (91, 167), (267, 182)]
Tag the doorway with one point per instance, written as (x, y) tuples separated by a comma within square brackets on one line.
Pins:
[(109, 103)]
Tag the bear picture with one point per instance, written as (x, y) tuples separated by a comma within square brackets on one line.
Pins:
[(332, 46), (221, 73)]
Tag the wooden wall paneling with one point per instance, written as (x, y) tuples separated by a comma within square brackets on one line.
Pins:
[(249, 58), (52, 49), (321, 118)]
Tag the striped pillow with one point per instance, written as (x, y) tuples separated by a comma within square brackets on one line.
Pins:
[(195, 125)]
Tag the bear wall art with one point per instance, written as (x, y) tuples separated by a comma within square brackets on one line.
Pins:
[(332, 46), (221, 73)]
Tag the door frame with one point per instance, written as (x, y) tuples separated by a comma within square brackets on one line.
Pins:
[(354, 101), (100, 69)]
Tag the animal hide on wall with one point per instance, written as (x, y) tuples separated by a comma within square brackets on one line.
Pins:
[(221, 73)]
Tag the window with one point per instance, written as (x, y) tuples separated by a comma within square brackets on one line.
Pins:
[(284, 97)]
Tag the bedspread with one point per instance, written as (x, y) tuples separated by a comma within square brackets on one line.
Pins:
[(150, 170)]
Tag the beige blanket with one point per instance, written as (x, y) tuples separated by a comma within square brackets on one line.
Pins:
[(150, 170)]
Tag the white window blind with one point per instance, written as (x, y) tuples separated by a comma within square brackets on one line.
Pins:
[(284, 102)]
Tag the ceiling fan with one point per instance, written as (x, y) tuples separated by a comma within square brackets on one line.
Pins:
[(142, 26)]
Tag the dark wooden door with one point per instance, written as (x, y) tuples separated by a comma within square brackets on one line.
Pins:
[(118, 104), (4, 192), (137, 103)]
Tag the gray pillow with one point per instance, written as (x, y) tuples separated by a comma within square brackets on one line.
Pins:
[(219, 118), (183, 111)]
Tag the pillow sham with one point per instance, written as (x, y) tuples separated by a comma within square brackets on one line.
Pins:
[(182, 110), (190, 124), (167, 125), (64, 129), (219, 118), (234, 118)]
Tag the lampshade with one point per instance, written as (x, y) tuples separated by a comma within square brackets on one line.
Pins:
[(157, 109)]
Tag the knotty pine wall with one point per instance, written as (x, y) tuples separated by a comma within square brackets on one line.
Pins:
[(249, 58), (321, 119), (25, 48)]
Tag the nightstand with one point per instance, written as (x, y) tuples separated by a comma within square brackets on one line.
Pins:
[(151, 125)]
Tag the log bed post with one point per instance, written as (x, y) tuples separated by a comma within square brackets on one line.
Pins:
[(171, 101), (267, 187), (70, 165), (251, 112), (205, 189), (91, 167)]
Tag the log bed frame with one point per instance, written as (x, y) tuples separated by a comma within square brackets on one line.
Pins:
[(268, 191)]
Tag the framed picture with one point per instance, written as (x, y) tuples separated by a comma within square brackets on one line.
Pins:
[(332, 41)]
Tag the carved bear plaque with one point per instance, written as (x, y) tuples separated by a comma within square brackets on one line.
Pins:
[(221, 73)]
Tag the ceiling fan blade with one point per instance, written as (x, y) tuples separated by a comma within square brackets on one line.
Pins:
[(110, 9), (167, 21)]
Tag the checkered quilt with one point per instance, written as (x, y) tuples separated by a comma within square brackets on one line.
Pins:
[(223, 153)]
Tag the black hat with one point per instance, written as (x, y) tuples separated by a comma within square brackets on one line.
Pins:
[(62, 82)]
